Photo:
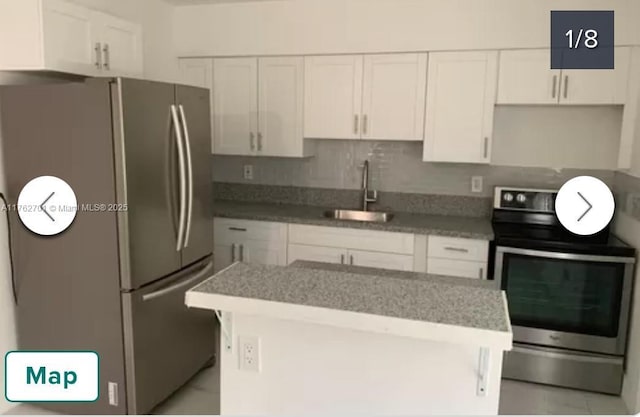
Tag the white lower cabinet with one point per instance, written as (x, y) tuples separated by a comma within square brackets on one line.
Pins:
[(371, 248), (248, 241), (457, 257), (331, 255), (315, 254), (392, 261)]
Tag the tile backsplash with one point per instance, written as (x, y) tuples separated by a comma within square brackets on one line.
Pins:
[(627, 191), (394, 167)]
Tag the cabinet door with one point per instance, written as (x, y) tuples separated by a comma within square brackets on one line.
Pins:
[(224, 255), (235, 98), (394, 96), (280, 106), (333, 96), (391, 261), (262, 252), (70, 38), (121, 45), (316, 254), (196, 71), (526, 78), (461, 92), (598, 86)]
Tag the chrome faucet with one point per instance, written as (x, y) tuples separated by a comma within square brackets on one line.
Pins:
[(366, 196)]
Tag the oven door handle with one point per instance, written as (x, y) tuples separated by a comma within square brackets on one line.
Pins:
[(565, 256)]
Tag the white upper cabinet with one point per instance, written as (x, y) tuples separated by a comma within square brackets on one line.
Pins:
[(197, 72), (365, 97), (280, 107), (598, 86), (71, 38), (526, 78), (333, 96), (394, 96), (235, 103), (54, 35), (258, 106), (121, 43), (461, 93)]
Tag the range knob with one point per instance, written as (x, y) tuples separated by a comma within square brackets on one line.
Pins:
[(521, 198), (508, 197)]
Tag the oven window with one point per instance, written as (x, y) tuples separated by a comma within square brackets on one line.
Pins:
[(563, 295)]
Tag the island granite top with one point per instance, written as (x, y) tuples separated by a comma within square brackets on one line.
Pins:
[(426, 224), (415, 297)]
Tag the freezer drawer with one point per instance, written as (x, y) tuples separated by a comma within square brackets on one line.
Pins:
[(165, 342)]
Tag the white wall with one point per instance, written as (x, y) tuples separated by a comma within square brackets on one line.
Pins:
[(557, 137), (156, 18), (312, 369), (341, 26)]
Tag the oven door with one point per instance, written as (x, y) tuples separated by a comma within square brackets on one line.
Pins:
[(566, 300)]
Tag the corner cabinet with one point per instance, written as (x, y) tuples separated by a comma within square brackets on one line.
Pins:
[(526, 78), (461, 93), (258, 104), (55, 35), (375, 97)]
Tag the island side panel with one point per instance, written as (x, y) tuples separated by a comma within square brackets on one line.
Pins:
[(316, 369)]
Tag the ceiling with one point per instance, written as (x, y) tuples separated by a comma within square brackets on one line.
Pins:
[(189, 2)]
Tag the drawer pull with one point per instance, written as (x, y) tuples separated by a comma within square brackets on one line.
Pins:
[(342, 259), (481, 273), (238, 229), (461, 250)]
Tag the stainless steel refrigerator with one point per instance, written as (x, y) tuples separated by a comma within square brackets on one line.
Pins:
[(115, 280)]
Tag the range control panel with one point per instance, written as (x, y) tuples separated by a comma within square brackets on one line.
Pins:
[(525, 199)]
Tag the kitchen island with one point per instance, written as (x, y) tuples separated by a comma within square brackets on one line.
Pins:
[(314, 338)]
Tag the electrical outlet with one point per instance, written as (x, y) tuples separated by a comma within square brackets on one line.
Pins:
[(476, 184), (248, 172), (113, 393), (249, 353)]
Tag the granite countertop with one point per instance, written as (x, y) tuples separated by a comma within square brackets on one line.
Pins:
[(454, 226), (413, 298)]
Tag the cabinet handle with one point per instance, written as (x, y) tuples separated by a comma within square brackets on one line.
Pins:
[(350, 259), (566, 85), (365, 123), (481, 273), (452, 249), (259, 141), (98, 49), (233, 253), (252, 144), (356, 123), (486, 147), (238, 229), (107, 59), (553, 87), (342, 259), (241, 253)]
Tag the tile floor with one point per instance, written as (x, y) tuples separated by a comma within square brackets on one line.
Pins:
[(201, 396)]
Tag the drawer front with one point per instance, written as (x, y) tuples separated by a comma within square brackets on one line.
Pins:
[(392, 261), (457, 268), (237, 231), (457, 248), (337, 237), (316, 254)]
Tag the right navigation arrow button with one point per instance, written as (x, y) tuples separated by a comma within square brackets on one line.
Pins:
[(588, 203), (571, 209)]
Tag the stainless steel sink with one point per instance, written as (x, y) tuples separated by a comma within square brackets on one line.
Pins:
[(359, 216)]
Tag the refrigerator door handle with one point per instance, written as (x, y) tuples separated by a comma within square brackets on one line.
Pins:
[(189, 176), (178, 285), (182, 169)]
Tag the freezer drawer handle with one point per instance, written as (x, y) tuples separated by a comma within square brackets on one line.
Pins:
[(183, 179), (179, 285)]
